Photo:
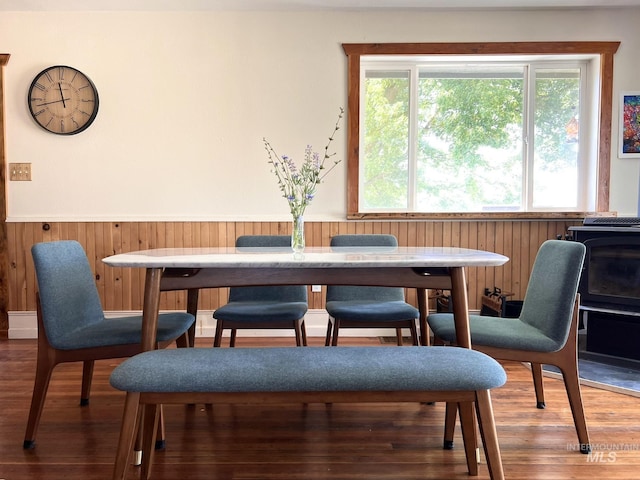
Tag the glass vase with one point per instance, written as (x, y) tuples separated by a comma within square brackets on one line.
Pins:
[(297, 234)]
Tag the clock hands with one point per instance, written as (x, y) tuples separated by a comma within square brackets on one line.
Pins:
[(64, 105), (55, 101)]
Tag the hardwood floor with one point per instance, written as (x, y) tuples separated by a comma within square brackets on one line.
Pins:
[(315, 442)]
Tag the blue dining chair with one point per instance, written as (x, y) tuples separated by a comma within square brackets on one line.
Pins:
[(72, 326), (263, 307), (368, 307), (545, 332)]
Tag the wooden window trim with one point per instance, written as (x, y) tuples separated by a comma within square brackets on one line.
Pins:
[(605, 50)]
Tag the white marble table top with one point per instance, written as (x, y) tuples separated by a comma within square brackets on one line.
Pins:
[(312, 257)]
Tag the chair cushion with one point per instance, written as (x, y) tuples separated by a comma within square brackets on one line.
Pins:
[(371, 311), (261, 311), (313, 369), (125, 331), (495, 332)]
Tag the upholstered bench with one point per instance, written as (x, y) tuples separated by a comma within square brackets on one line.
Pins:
[(309, 375)]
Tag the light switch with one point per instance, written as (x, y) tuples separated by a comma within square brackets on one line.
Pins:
[(20, 172)]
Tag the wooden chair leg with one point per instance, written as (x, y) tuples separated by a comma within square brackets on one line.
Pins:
[(160, 437), (487, 425), (232, 337), (301, 337), (574, 394), (536, 371), (399, 336), (450, 425), (128, 432), (151, 419), (217, 339), (87, 376), (414, 334), (327, 339), (183, 341), (336, 327), (303, 332), (469, 437), (44, 368)]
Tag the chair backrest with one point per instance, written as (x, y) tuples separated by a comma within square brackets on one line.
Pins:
[(553, 285), (67, 290), (347, 293), (286, 293)]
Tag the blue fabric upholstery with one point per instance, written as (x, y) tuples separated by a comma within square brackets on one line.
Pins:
[(356, 306), (72, 313), (296, 294), (338, 293), (547, 309), (371, 311), (316, 369), (252, 304), (263, 306)]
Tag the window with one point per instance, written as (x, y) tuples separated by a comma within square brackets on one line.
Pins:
[(438, 129)]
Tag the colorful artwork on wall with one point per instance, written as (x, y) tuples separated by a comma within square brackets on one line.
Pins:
[(629, 126)]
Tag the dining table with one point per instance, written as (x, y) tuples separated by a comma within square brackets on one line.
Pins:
[(192, 269)]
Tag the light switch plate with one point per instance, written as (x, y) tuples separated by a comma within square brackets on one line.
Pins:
[(20, 172)]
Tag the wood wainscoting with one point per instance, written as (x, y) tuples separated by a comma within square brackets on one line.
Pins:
[(121, 289)]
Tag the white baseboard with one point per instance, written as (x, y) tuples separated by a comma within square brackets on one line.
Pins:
[(23, 325)]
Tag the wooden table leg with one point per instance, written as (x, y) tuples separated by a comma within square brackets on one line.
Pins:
[(150, 311), (192, 308), (423, 307), (460, 300), (151, 308), (460, 307)]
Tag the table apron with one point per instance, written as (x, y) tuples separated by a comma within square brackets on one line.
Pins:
[(185, 278)]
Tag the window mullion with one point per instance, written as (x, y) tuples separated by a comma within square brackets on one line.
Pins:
[(412, 168), (529, 138)]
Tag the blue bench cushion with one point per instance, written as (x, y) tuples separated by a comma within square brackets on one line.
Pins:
[(309, 369)]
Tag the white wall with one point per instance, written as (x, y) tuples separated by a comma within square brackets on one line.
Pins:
[(185, 99)]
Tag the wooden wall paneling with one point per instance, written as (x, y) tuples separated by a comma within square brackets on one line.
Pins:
[(507, 245), (15, 275), (100, 270), (35, 235), (114, 235), (131, 278), (122, 289), (520, 251), (481, 240), (204, 239), (469, 239)]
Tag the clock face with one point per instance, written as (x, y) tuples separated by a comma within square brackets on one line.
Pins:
[(63, 100)]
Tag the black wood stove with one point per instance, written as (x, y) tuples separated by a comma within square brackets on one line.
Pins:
[(610, 288)]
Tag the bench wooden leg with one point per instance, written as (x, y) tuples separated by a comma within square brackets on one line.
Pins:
[(489, 434), (128, 432)]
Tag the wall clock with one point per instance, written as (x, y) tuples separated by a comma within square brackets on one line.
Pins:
[(63, 100)]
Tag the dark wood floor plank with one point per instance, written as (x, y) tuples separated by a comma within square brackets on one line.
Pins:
[(316, 441)]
